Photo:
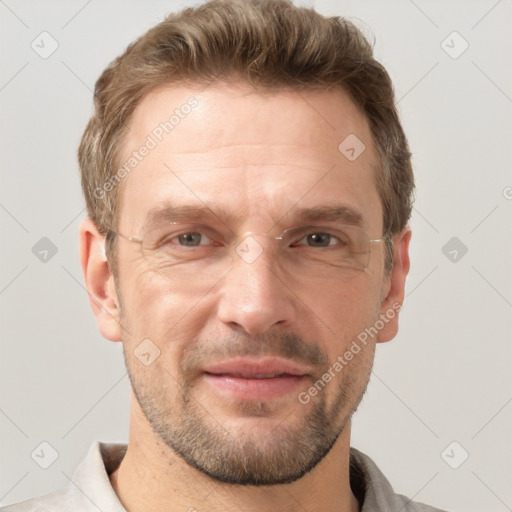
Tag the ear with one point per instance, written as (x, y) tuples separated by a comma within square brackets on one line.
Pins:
[(394, 289), (99, 281)]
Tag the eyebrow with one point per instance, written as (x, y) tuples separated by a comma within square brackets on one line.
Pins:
[(168, 212), (331, 213)]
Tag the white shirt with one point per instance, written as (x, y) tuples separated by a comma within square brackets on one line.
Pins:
[(91, 490)]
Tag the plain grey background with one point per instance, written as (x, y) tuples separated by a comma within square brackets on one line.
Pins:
[(446, 377)]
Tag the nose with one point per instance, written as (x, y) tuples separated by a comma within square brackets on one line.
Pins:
[(254, 296)]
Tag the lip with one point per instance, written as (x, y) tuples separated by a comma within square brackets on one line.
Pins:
[(251, 368), (261, 379)]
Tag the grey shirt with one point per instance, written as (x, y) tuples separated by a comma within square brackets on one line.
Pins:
[(91, 490)]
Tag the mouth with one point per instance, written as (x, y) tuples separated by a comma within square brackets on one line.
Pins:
[(255, 379)]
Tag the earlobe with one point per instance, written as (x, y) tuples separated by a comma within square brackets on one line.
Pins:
[(395, 287), (99, 281)]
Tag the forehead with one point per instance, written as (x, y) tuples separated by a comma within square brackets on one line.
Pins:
[(258, 153)]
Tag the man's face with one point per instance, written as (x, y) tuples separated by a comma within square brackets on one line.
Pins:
[(243, 324)]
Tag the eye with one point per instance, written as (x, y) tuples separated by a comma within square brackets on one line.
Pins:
[(319, 239), (191, 239)]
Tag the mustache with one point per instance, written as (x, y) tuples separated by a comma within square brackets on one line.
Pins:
[(286, 345)]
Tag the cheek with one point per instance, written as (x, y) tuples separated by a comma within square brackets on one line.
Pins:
[(346, 308), (154, 379), (157, 331), (161, 309)]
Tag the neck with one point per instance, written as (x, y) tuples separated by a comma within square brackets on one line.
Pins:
[(153, 478)]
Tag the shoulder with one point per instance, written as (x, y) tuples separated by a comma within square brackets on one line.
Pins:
[(89, 490), (375, 492), (405, 504), (56, 501)]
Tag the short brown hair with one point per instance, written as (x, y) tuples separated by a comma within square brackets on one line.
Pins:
[(269, 44)]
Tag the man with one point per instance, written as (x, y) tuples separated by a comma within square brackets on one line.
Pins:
[(248, 187)]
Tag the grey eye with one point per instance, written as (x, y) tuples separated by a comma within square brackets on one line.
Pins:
[(319, 239), (190, 239)]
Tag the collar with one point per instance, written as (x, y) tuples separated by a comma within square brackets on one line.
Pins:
[(91, 489)]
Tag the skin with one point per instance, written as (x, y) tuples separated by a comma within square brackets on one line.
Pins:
[(258, 156)]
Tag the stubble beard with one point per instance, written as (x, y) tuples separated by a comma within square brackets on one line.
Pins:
[(237, 456)]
